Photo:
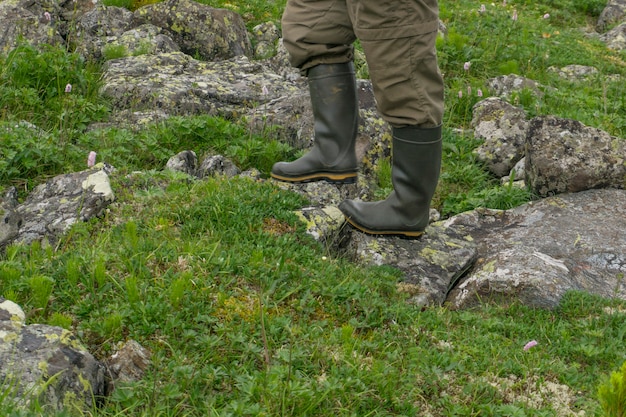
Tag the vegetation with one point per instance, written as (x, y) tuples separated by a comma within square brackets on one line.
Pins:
[(244, 313)]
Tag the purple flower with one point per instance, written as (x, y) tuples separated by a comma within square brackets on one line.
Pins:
[(460, 94), (469, 90), (483, 9), (514, 17), (68, 88), (530, 345), (467, 66), (546, 16), (47, 16), (479, 93), (265, 90), (91, 159)]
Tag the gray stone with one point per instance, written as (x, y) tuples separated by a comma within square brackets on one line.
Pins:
[(47, 364), (502, 127), (563, 155), (616, 38), (215, 165), (199, 30), (127, 364), (10, 219), (19, 23), (53, 207), (613, 13), (185, 161), (431, 265), (505, 85), (535, 253), (180, 85)]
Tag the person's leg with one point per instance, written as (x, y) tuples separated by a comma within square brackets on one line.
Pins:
[(318, 36), (399, 43)]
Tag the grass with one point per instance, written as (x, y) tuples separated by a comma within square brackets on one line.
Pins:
[(244, 313)]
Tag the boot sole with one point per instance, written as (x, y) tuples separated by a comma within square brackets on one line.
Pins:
[(403, 233), (349, 178)]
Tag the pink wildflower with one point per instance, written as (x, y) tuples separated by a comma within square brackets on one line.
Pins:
[(265, 90), (530, 345), (514, 17), (469, 90), (68, 88), (91, 159), (47, 16), (546, 16), (460, 94), (479, 93), (467, 66), (483, 9)]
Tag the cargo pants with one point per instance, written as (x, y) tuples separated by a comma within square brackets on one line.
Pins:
[(398, 38)]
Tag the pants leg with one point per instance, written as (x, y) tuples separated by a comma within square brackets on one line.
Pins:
[(398, 37), (317, 32)]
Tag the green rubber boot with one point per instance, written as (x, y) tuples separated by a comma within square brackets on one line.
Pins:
[(415, 173), (335, 110)]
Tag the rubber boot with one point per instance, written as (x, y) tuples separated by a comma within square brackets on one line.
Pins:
[(415, 173), (335, 111)]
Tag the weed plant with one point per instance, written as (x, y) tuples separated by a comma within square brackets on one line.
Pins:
[(244, 313)]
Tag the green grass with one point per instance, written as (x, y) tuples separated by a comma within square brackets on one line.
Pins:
[(244, 313)]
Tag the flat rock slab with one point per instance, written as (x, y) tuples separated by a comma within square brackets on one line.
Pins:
[(537, 252)]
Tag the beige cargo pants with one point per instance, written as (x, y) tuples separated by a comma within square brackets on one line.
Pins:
[(398, 38)]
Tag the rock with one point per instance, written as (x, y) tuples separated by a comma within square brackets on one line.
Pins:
[(180, 85), (185, 161), (265, 40), (535, 253), (128, 364), (563, 155), (575, 72), (505, 85), (616, 38), (613, 13), (502, 127), (10, 219), (145, 39), (47, 364), (199, 30), (215, 165), (100, 26), (322, 223), (431, 265), (19, 23), (53, 207)]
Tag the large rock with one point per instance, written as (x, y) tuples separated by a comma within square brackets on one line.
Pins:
[(563, 155), (10, 219), (613, 13), (535, 253), (19, 24), (100, 27), (502, 128), (616, 38), (46, 364), (199, 30), (431, 265), (53, 207), (179, 84)]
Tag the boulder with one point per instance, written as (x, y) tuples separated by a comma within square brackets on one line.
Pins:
[(200, 31), (612, 14), (53, 207), (46, 364), (502, 128), (565, 156), (535, 253)]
